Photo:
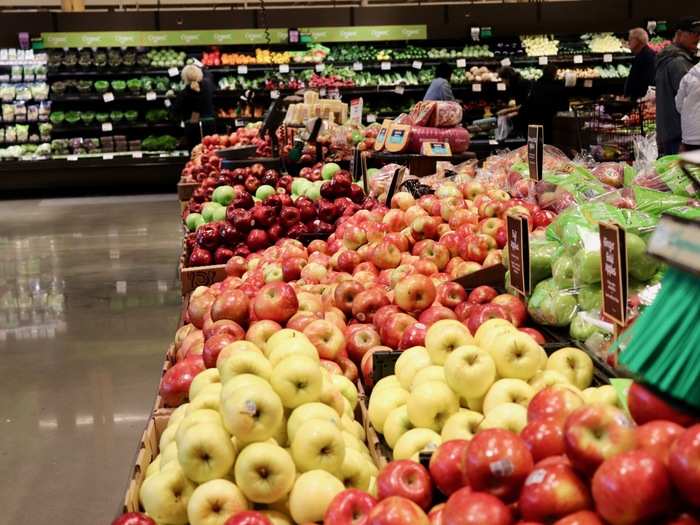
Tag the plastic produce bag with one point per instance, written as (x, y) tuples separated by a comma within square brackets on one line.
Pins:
[(666, 174), (610, 173), (548, 305)]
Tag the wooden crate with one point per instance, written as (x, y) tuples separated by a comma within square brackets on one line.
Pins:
[(146, 453), (185, 190), (380, 453), (191, 278), (159, 406)]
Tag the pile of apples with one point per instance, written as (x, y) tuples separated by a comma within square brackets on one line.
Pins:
[(456, 385), (246, 218)]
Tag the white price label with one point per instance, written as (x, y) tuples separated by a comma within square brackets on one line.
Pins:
[(476, 88), (501, 86), (242, 69), (417, 64), (357, 66), (168, 103), (197, 63), (239, 123), (108, 97), (588, 83), (462, 62), (173, 72), (151, 95), (505, 62), (72, 158), (385, 66), (320, 67), (493, 142), (107, 156), (274, 94), (371, 118), (107, 126), (137, 154), (543, 61), (578, 59), (607, 57), (476, 33), (322, 92), (399, 90), (284, 68)]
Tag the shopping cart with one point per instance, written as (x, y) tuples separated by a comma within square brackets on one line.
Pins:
[(607, 128)]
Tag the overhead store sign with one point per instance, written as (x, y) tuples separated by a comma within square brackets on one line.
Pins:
[(230, 37)]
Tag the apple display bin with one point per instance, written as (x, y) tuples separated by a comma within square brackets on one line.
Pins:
[(378, 449)]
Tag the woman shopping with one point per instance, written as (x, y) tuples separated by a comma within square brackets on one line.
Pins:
[(195, 106)]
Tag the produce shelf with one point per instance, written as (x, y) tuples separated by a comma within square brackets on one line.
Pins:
[(64, 129), (96, 97)]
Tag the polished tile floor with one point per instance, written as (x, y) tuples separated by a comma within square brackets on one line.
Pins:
[(89, 301)]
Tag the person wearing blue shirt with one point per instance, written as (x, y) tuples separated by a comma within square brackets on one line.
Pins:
[(440, 86)]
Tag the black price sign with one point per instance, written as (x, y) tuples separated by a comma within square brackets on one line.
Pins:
[(519, 253), (383, 364), (535, 150), (613, 272), (394, 185), (424, 457)]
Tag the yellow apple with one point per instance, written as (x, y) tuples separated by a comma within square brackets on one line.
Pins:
[(476, 404), (383, 402), (574, 364), (414, 441), (168, 454), (510, 416), (177, 415), (508, 391), (252, 413), (165, 495), (429, 373), (295, 346), (491, 329), (545, 378), (205, 452), (244, 362), (196, 417), (307, 412), (264, 472), (443, 337), (607, 395), (208, 376), (214, 502), (462, 425), (346, 387), (297, 380), (313, 491), (242, 380), (167, 437), (355, 472), (409, 363), (352, 442), (430, 404), (318, 444), (385, 382), (396, 425), (208, 397), (277, 518), (516, 355), (470, 371)]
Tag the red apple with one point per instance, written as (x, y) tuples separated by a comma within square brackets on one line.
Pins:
[(414, 293), (233, 304), (327, 338), (535, 334), (201, 300), (175, 384), (434, 314), (385, 255), (451, 294), (414, 335), (553, 402), (684, 464), (631, 487), (393, 328), (383, 314), (552, 492), (350, 507), (583, 517), (544, 438), (595, 433), (646, 405), (448, 466), (236, 266), (215, 344), (435, 514), (484, 313), (360, 338), (367, 302), (515, 306), (657, 437), (224, 326), (407, 479), (248, 517), (475, 508), (396, 510), (275, 301), (133, 518), (498, 462), (482, 295), (464, 310), (345, 294)]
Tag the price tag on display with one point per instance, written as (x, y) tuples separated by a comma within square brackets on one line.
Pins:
[(607, 57), (371, 118), (151, 96), (107, 126), (475, 33), (505, 62), (322, 92), (72, 158), (242, 69), (136, 154), (163, 155), (501, 86), (173, 72), (381, 136), (385, 66), (320, 67), (476, 88), (239, 123), (543, 61), (107, 156), (356, 106), (517, 234), (570, 79), (535, 150), (417, 64), (578, 59), (493, 142), (613, 272), (357, 66), (274, 94), (383, 364), (462, 62), (399, 90), (108, 97), (167, 103), (284, 68), (588, 83), (436, 149)]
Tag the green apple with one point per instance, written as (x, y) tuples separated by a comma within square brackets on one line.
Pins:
[(563, 271), (313, 192), (219, 214), (587, 267), (299, 185), (194, 221), (641, 266), (264, 191), (550, 306), (590, 297), (208, 210), (328, 170), (223, 195)]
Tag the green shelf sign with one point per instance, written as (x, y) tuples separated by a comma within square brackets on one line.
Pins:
[(229, 37)]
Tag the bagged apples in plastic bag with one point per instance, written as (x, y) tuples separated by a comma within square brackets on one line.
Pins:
[(610, 173), (551, 306)]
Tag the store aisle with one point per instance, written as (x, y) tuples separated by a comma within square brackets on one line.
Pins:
[(89, 302)]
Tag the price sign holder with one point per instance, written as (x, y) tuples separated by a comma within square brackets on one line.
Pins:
[(320, 67), (501, 86), (173, 72), (436, 149), (107, 126), (356, 106), (399, 90), (676, 241), (108, 97), (151, 96), (417, 64), (462, 63), (381, 136), (578, 59), (385, 66), (519, 253), (505, 62), (357, 66), (476, 88), (383, 364), (242, 69), (607, 58), (397, 138), (535, 150), (394, 184), (284, 68), (613, 272)]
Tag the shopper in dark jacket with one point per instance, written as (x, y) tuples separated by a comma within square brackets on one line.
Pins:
[(547, 98), (518, 90), (642, 71), (440, 88), (672, 64), (195, 105)]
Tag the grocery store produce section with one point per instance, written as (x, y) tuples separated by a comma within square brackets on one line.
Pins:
[(352, 348)]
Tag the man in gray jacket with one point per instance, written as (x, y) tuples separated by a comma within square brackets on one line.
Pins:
[(672, 63)]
